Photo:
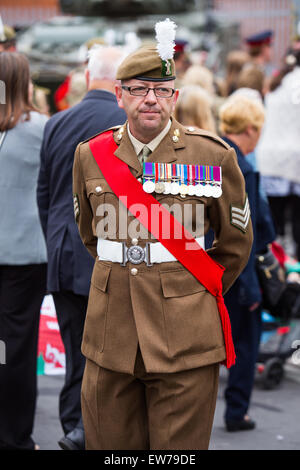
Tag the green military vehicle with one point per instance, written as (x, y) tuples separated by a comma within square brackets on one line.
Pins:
[(54, 47)]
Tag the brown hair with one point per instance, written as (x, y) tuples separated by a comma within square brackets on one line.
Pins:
[(235, 61), (200, 76), (15, 74), (291, 60), (194, 108), (251, 77)]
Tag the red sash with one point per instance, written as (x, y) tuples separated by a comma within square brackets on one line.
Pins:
[(131, 193)]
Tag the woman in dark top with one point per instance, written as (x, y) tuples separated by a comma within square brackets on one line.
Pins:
[(241, 120)]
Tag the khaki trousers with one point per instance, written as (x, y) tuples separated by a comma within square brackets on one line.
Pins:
[(144, 411)]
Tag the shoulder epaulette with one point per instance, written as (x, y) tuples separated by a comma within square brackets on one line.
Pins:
[(114, 128), (191, 130)]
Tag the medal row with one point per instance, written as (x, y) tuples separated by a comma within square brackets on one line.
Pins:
[(191, 180)]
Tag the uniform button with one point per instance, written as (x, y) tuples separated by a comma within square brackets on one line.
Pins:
[(134, 241), (134, 271), (98, 189)]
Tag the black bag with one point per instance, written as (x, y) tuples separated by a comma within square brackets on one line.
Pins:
[(272, 280), (288, 306)]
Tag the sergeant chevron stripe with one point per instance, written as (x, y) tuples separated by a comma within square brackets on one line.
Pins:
[(240, 216)]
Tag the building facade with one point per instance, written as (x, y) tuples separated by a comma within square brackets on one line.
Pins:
[(282, 16)]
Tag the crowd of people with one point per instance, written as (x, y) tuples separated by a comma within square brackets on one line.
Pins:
[(41, 250)]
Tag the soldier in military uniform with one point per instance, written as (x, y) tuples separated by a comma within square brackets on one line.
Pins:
[(260, 48), (153, 336)]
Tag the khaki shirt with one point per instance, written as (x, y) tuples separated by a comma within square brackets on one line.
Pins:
[(163, 308)]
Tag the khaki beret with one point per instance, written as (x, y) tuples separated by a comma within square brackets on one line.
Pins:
[(146, 64)]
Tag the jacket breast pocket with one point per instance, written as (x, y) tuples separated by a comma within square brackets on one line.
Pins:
[(191, 315), (105, 207), (99, 190), (95, 325)]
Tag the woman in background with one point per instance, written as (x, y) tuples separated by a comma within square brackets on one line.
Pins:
[(22, 253), (278, 151), (241, 121), (194, 108)]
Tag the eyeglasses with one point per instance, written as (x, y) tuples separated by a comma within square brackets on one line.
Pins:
[(160, 92)]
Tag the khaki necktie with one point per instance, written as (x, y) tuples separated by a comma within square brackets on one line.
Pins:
[(143, 155)]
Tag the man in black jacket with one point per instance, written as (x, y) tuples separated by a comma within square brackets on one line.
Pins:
[(69, 264)]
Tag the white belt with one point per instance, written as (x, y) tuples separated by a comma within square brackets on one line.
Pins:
[(118, 252)]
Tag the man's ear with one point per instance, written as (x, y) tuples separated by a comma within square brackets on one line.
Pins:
[(119, 91), (87, 77), (248, 130), (175, 98)]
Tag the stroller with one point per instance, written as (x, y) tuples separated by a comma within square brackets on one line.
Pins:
[(281, 325)]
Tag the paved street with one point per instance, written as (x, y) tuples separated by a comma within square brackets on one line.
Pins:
[(276, 413)]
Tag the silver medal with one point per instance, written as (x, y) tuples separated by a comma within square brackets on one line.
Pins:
[(191, 190), (208, 190), (167, 188), (217, 191), (199, 190), (149, 186), (175, 188), (159, 187)]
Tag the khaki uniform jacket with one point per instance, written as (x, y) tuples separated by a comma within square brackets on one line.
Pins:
[(163, 309)]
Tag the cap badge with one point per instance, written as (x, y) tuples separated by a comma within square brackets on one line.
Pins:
[(165, 36), (166, 68)]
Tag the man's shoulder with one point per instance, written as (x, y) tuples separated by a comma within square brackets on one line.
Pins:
[(68, 114), (83, 148), (57, 120), (113, 129), (205, 136)]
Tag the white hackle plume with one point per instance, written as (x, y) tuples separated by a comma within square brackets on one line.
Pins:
[(165, 36), (2, 35)]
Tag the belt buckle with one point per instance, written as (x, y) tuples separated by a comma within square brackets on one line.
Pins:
[(136, 254), (148, 258)]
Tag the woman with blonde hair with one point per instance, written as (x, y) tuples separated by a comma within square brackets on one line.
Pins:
[(23, 253), (241, 121), (200, 76), (242, 118), (194, 108)]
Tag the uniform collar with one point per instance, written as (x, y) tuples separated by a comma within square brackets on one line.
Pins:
[(138, 146), (99, 93), (164, 152)]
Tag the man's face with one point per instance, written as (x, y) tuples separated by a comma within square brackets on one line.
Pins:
[(147, 115), (267, 53)]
